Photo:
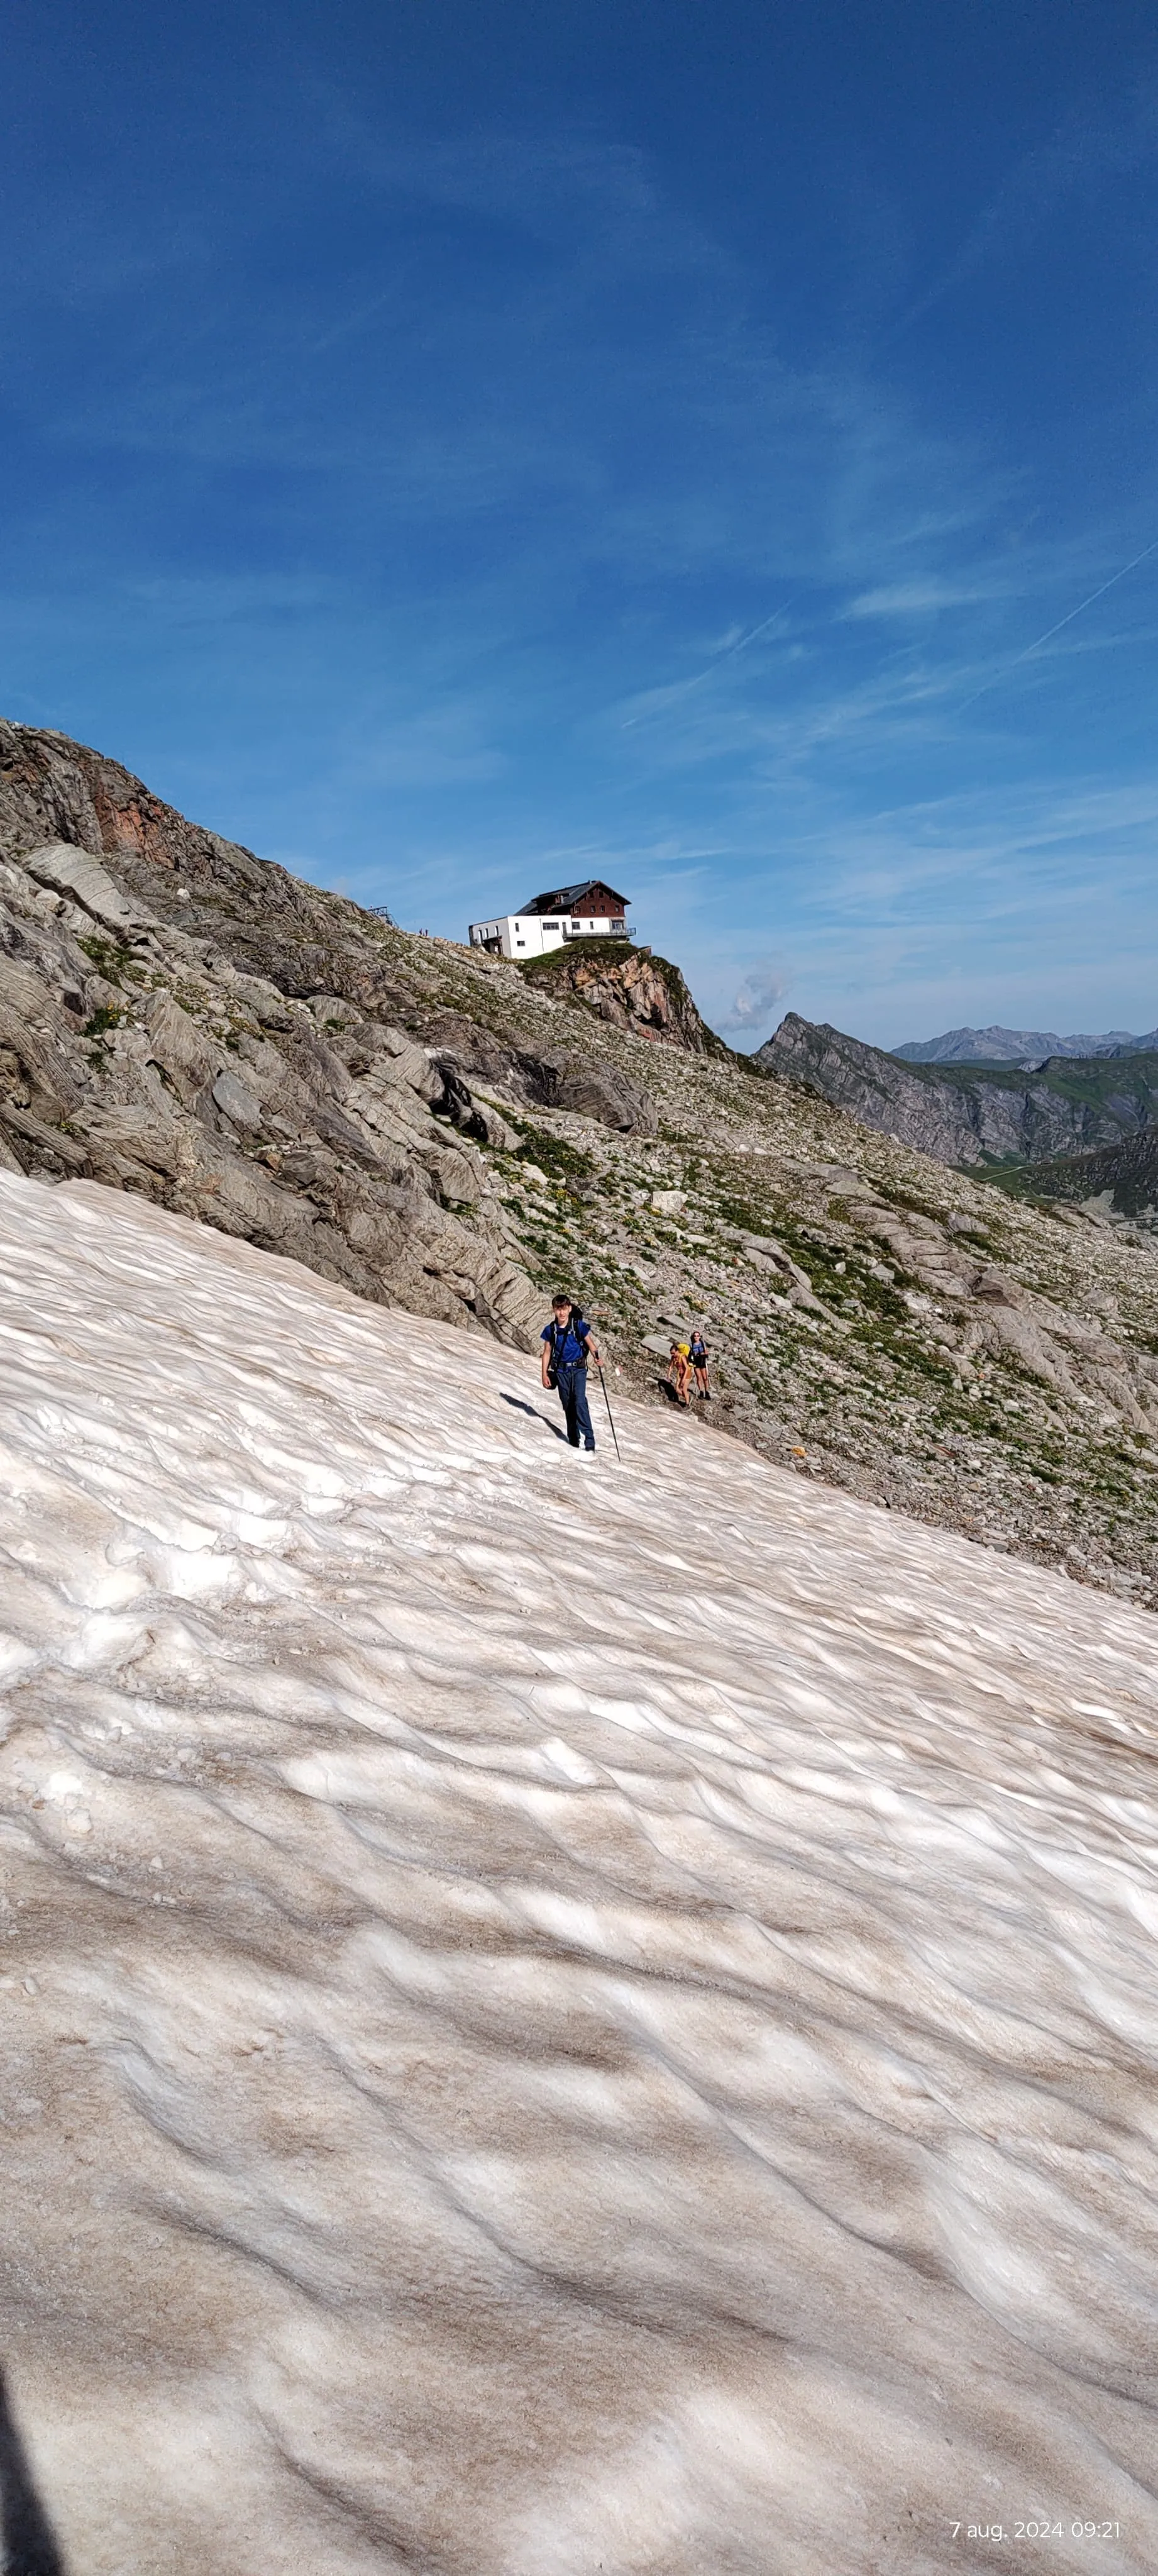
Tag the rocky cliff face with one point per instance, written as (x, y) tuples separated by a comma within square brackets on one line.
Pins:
[(969, 1116), (630, 989), (181, 1018)]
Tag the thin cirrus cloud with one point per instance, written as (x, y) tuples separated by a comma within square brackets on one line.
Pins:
[(1036, 885), (908, 599), (1081, 158)]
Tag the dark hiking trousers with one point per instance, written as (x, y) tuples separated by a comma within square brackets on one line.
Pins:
[(572, 1385)]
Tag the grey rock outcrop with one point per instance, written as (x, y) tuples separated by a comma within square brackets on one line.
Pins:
[(592, 1090), (630, 989), (73, 872), (178, 1018)]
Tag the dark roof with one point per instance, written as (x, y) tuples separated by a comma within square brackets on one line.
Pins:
[(569, 898)]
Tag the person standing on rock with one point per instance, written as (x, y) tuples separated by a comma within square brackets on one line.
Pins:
[(566, 1347), (698, 1355)]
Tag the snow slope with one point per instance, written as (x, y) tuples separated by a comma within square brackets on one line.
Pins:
[(555, 2019)]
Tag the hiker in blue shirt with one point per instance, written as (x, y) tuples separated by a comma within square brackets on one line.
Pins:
[(566, 1347)]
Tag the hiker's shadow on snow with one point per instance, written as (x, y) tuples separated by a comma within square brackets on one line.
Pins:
[(521, 1406), (30, 2547)]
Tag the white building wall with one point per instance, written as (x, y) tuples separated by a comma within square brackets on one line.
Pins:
[(528, 934)]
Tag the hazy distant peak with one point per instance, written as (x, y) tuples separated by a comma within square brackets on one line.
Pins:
[(1016, 1046)]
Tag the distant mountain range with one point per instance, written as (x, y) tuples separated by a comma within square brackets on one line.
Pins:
[(1018, 1046), (970, 1113)]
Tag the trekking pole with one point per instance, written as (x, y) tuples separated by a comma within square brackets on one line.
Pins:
[(610, 1416)]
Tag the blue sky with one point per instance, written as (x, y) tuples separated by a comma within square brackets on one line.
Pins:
[(452, 448)]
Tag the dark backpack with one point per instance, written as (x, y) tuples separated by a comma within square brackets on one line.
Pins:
[(561, 1334)]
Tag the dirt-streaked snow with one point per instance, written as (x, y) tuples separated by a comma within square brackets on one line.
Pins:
[(557, 2017)]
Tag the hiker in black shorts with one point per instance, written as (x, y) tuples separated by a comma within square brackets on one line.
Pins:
[(698, 1355), (566, 1347)]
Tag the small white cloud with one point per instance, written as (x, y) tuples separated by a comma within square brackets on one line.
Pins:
[(913, 599), (756, 1000)]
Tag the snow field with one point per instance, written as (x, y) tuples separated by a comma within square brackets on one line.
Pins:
[(553, 2021)]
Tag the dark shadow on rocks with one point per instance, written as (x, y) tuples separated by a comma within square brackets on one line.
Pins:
[(30, 2545), (592, 1089)]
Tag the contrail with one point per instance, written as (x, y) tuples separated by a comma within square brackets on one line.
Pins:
[(739, 644), (743, 640), (1067, 620)]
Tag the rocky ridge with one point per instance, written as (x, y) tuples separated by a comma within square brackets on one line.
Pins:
[(967, 1113), (438, 1130)]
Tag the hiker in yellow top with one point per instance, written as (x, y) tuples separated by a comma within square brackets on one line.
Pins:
[(680, 1371)]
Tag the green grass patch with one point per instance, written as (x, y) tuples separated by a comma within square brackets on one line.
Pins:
[(109, 958), (552, 968), (553, 1154)]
